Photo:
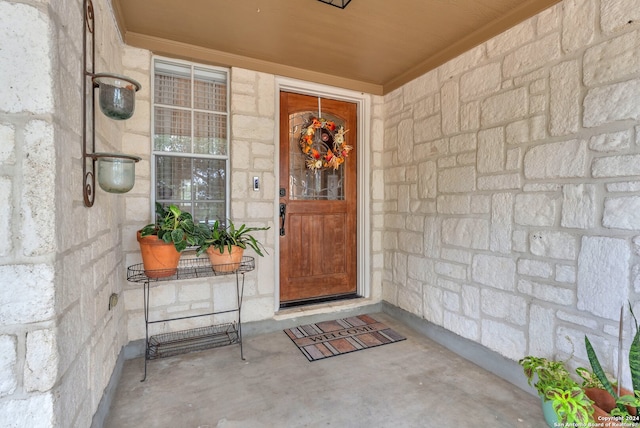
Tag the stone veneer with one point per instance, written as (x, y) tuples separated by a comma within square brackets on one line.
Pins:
[(512, 176), (503, 200), (60, 261)]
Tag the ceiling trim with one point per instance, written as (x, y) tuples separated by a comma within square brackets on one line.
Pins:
[(166, 47), (523, 12), (187, 51)]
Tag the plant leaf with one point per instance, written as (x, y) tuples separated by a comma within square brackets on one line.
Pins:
[(597, 368), (599, 372), (175, 210)]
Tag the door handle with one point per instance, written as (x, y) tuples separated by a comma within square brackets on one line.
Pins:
[(283, 214)]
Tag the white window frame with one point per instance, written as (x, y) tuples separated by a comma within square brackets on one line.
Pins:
[(154, 153)]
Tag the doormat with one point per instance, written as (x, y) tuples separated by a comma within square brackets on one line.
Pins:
[(330, 338)]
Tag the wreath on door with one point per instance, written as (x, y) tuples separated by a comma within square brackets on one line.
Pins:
[(323, 145)]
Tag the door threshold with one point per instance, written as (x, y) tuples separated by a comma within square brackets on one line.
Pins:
[(318, 300)]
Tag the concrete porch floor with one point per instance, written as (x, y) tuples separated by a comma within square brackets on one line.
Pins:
[(413, 383)]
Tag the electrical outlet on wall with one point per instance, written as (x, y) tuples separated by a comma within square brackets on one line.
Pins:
[(256, 184)]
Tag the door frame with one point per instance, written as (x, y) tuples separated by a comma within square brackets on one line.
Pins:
[(363, 102)]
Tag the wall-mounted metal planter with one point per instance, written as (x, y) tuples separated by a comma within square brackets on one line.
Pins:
[(117, 95)]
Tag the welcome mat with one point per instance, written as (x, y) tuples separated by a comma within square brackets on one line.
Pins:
[(330, 338)]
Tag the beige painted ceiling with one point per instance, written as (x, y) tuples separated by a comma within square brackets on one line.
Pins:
[(372, 46)]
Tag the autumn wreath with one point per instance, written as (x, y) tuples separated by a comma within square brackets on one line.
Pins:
[(323, 145)]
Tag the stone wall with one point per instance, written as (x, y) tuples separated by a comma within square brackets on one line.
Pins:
[(512, 175), (89, 260), (253, 153), (504, 198), (60, 260), (375, 150), (28, 352)]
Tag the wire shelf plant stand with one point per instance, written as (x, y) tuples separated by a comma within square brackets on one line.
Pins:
[(195, 339)]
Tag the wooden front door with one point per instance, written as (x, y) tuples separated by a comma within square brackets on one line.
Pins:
[(318, 205)]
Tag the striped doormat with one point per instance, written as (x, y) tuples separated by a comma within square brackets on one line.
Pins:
[(330, 338)]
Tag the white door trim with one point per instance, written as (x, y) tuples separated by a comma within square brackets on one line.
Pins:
[(363, 102)]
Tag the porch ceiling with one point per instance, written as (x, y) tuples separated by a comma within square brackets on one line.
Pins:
[(372, 46)]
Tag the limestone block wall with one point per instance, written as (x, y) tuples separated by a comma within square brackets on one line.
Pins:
[(375, 150), (28, 348), (512, 173), (59, 260), (253, 153), (89, 260)]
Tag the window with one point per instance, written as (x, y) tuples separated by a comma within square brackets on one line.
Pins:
[(190, 122)]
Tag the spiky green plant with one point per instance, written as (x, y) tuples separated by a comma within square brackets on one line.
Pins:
[(634, 355), (634, 367), (223, 238)]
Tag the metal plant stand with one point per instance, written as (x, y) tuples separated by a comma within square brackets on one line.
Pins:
[(195, 339)]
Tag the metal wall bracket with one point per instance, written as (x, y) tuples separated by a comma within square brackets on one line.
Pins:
[(89, 85)]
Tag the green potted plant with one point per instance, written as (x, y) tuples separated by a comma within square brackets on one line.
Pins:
[(619, 402), (563, 399), (162, 242), (225, 245)]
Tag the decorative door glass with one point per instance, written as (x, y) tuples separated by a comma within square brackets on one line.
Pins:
[(320, 183)]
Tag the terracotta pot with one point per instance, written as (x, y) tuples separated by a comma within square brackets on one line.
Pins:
[(604, 419), (159, 258), (225, 262), (605, 401)]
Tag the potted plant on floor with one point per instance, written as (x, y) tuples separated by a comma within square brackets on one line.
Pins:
[(162, 242), (563, 399), (611, 398), (225, 245)]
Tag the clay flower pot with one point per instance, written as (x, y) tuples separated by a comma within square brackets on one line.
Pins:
[(226, 261), (160, 259), (604, 403)]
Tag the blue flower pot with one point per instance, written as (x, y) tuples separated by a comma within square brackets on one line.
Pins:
[(549, 414)]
